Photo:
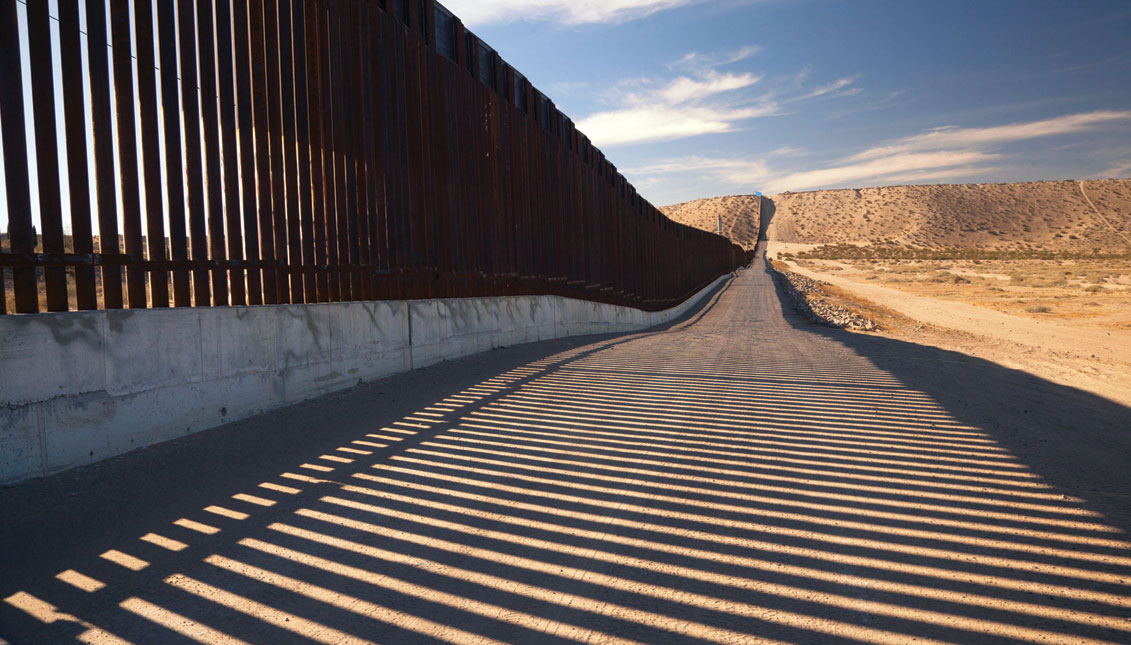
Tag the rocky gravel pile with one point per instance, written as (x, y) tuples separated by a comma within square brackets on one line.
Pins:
[(807, 297)]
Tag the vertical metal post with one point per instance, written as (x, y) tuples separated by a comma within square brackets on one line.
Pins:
[(46, 150), (74, 118)]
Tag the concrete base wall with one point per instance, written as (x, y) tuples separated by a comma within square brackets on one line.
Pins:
[(79, 387)]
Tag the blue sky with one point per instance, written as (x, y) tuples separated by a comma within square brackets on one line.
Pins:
[(694, 99)]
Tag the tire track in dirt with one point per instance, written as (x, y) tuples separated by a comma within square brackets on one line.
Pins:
[(1101, 215)]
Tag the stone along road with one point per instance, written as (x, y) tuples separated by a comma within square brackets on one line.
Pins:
[(738, 476)]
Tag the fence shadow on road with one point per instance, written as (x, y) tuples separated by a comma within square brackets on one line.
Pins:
[(592, 491), (1075, 441)]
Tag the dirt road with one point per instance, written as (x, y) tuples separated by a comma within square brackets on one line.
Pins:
[(738, 476)]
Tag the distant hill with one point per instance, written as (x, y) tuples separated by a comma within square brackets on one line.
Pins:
[(740, 215), (1049, 215)]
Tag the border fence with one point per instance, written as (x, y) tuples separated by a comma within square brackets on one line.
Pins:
[(308, 151)]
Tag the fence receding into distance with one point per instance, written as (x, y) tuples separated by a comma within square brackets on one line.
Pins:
[(336, 150)]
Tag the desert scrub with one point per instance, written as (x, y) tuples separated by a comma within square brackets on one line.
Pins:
[(1037, 280), (1038, 309), (948, 277), (895, 252)]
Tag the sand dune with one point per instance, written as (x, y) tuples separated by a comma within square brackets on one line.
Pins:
[(1048, 215)]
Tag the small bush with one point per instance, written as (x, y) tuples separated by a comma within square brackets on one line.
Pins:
[(1038, 309)]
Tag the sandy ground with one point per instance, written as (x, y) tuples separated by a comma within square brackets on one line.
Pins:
[(1086, 293), (738, 476), (1095, 360)]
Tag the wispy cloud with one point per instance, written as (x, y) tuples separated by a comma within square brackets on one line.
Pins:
[(698, 98), (663, 122), (868, 105), (730, 171), (685, 89), (701, 102), (923, 165), (939, 174), (744, 173), (677, 179), (837, 86), (952, 137), (786, 151), (937, 154), (940, 153), (1121, 170), (698, 61), (570, 12)]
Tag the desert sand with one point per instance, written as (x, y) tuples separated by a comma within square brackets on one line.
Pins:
[(1090, 355)]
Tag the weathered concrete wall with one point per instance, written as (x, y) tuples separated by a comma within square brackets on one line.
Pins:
[(79, 387)]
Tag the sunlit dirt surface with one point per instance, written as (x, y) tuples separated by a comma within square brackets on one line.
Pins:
[(1093, 294), (737, 477)]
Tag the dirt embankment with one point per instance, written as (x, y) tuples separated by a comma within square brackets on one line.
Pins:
[(810, 299), (740, 216), (1050, 215)]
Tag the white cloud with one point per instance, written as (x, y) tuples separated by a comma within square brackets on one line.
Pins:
[(937, 154), (722, 166), (934, 175), (726, 171), (570, 12), (685, 106), (881, 169), (684, 89), (786, 151), (699, 99), (839, 84), (941, 153), (952, 137), (662, 123), (730, 173), (698, 61)]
